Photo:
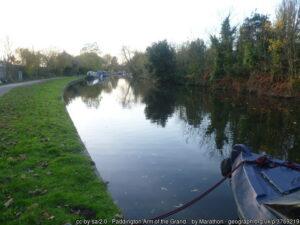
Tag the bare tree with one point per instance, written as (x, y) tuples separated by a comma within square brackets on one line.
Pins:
[(288, 15), (126, 54), (91, 48), (8, 58)]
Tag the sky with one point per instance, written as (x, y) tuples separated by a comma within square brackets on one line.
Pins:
[(70, 24)]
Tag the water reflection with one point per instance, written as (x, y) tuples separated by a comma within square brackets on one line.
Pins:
[(158, 145), (160, 104), (272, 125)]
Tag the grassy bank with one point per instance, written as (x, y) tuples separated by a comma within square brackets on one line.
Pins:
[(45, 176)]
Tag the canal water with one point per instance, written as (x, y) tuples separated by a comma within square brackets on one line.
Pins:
[(158, 147)]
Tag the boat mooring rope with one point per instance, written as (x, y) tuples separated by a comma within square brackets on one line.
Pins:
[(262, 161), (202, 195)]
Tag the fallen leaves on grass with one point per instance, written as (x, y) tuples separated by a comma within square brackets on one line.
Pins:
[(38, 192), (48, 216), (43, 164), (9, 202), (82, 211), (22, 157)]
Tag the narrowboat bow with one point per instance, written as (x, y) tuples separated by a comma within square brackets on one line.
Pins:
[(264, 188)]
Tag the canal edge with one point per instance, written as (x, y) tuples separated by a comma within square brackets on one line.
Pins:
[(85, 151)]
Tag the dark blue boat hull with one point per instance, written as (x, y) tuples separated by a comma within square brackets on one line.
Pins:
[(256, 187)]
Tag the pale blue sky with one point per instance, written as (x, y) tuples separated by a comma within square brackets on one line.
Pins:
[(68, 25)]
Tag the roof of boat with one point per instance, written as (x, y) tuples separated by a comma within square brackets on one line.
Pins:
[(275, 187), (283, 179)]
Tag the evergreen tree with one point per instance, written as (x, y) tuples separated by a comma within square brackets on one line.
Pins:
[(253, 44), (162, 63), (223, 51)]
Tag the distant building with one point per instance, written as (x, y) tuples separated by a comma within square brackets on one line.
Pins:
[(2, 71), (20, 75), (10, 73)]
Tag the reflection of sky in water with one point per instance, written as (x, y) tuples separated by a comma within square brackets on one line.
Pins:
[(160, 147), (150, 168)]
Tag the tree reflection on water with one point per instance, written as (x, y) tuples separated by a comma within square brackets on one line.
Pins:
[(267, 124)]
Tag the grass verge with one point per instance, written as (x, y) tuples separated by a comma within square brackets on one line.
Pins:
[(45, 176)]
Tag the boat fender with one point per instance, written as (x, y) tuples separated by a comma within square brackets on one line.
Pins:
[(226, 166)]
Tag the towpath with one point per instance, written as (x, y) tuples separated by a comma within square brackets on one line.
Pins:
[(7, 87)]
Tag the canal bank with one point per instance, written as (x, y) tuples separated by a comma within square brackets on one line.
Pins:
[(46, 176)]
